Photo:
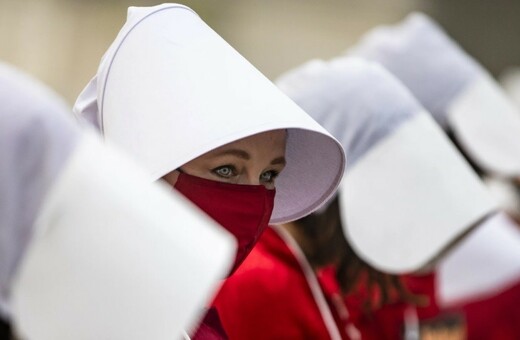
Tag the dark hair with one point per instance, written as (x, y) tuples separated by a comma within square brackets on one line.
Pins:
[(325, 244), (453, 138), (5, 330)]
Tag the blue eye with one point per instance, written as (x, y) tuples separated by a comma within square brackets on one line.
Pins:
[(225, 171), (268, 176)]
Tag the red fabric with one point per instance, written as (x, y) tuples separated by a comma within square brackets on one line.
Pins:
[(210, 328), (495, 317), (268, 296), (385, 322), (243, 210)]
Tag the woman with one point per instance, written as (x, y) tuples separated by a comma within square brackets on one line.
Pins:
[(482, 277), (84, 236), (398, 209), (195, 113)]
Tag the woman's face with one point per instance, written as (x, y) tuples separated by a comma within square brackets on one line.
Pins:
[(254, 160)]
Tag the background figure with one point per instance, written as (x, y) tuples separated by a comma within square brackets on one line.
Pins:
[(87, 248), (193, 112), (485, 125), (398, 208)]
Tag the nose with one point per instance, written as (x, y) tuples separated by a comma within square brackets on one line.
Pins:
[(253, 178), (250, 178)]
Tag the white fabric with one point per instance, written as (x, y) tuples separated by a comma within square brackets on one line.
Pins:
[(336, 95), (424, 58), (483, 264), (506, 194), (115, 257), (170, 89), (487, 126), (405, 192), (410, 198), (89, 249), (36, 139), (459, 93)]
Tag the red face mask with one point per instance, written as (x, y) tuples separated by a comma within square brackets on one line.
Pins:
[(243, 210)]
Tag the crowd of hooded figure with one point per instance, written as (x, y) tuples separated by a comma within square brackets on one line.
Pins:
[(190, 197)]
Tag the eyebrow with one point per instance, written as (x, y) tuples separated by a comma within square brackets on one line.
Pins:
[(235, 152), (245, 155), (279, 160)]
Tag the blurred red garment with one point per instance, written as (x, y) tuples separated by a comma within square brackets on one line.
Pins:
[(268, 297), (272, 297), (493, 317)]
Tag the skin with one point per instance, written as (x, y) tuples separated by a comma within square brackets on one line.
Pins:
[(254, 160)]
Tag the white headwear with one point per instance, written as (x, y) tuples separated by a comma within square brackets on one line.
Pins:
[(35, 144), (506, 193), (483, 264), (89, 248), (407, 193), (459, 93), (170, 89)]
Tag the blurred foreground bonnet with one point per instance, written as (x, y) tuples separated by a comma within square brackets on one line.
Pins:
[(89, 248), (461, 95), (170, 89), (36, 141), (404, 197)]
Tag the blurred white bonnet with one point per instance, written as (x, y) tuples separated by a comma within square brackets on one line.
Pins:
[(459, 93), (420, 54), (37, 136), (407, 193), (72, 210)]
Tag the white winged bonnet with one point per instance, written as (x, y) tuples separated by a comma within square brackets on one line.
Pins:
[(460, 94), (170, 89)]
